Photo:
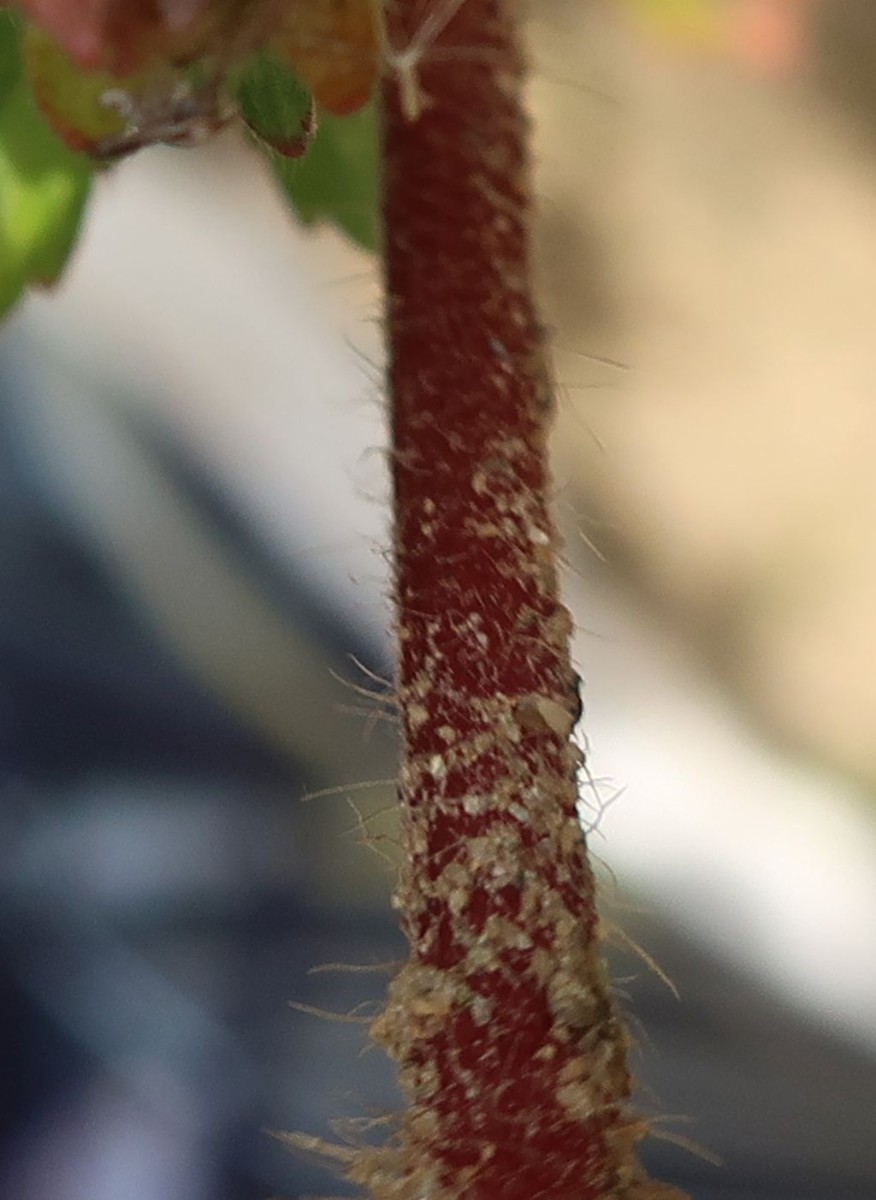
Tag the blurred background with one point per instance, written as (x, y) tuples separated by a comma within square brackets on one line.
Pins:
[(196, 729)]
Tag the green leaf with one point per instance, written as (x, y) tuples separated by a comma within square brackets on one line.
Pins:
[(337, 178), (43, 185), (273, 103), (10, 57), (70, 98)]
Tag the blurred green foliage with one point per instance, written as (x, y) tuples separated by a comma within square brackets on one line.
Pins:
[(336, 178), (44, 186)]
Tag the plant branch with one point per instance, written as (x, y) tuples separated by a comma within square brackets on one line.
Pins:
[(509, 1047)]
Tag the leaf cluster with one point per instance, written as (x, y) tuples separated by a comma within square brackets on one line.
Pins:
[(61, 123)]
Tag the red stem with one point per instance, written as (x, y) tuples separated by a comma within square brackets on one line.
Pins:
[(508, 1044)]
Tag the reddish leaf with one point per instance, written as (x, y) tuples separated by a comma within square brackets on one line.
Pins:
[(119, 36), (108, 117), (331, 46)]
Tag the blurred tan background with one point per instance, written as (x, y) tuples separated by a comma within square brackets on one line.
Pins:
[(716, 233)]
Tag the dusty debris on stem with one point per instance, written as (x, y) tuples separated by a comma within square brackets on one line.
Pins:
[(509, 1048)]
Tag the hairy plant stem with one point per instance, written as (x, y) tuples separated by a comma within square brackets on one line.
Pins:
[(509, 1047)]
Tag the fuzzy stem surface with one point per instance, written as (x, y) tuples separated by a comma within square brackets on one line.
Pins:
[(509, 1047)]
